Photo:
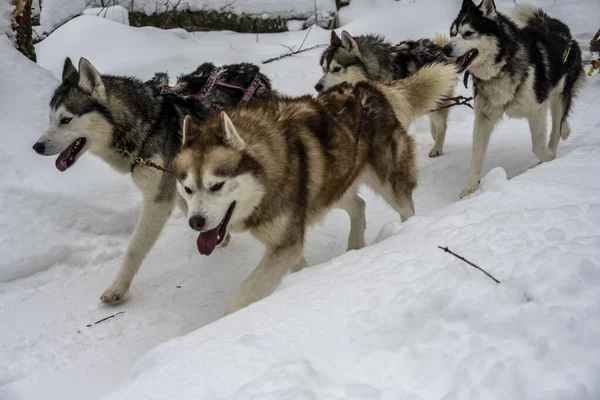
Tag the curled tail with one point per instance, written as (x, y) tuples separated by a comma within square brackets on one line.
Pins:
[(440, 39), (528, 15), (417, 95)]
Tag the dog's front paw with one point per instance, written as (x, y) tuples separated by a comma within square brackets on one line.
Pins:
[(225, 241), (435, 153), (115, 293), (468, 190)]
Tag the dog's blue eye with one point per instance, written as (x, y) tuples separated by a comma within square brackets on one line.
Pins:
[(467, 34), (65, 121), (336, 69), (187, 190), (217, 187)]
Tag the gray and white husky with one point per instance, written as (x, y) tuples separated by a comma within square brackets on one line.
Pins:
[(112, 115), (520, 68), (368, 57)]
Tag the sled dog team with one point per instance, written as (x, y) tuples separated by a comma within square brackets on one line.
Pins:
[(236, 156)]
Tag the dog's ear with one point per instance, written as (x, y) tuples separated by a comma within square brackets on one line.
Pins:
[(488, 8), (335, 39), (349, 43), (467, 5), (187, 132), (232, 137), (90, 80), (69, 74)]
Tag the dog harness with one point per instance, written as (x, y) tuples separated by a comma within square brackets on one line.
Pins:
[(212, 81)]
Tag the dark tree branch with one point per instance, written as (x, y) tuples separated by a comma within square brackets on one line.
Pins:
[(104, 319), (447, 250), (292, 53)]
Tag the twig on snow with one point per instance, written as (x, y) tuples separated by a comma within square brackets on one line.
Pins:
[(447, 250), (305, 36), (228, 5), (292, 53), (291, 49), (104, 319)]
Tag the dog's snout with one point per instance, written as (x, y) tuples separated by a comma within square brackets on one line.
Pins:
[(319, 87), (197, 222), (447, 50), (39, 147)]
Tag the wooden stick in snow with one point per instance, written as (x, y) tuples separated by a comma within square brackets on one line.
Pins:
[(447, 250)]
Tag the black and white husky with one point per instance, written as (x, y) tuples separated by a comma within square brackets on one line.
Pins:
[(116, 117), (520, 68)]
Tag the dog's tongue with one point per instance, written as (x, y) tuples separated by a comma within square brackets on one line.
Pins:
[(61, 161), (460, 61), (207, 241)]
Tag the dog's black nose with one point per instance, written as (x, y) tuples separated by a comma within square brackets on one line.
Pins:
[(39, 147), (197, 222), (319, 87), (447, 50)]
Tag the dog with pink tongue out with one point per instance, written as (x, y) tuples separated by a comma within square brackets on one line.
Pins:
[(274, 167)]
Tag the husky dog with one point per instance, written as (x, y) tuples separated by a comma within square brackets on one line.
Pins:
[(108, 115), (276, 166), (354, 59), (519, 69)]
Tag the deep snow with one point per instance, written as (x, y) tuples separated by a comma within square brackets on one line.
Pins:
[(398, 319), (57, 12)]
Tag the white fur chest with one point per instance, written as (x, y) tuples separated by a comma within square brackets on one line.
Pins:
[(511, 95)]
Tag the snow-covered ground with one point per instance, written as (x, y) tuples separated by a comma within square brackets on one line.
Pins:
[(399, 319), (56, 12)]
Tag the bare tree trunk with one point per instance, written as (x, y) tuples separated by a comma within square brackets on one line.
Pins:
[(21, 25)]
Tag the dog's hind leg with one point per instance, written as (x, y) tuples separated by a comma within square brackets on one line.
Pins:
[(557, 111), (355, 206), (276, 262), (152, 219), (538, 127), (438, 123)]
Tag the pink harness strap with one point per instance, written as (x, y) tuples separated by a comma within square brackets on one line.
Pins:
[(249, 92), (208, 86), (212, 81)]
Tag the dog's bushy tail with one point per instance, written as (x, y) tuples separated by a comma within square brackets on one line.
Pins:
[(440, 39), (420, 93), (529, 15)]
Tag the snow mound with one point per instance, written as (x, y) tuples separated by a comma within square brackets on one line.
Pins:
[(72, 40), (56, 12), (402, 319), (494, 181), (114, 13)]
